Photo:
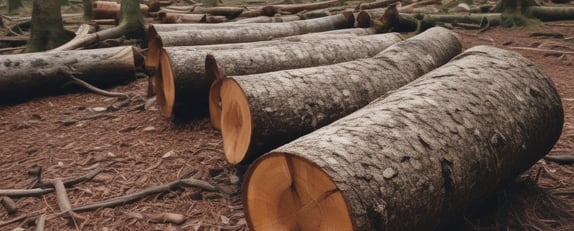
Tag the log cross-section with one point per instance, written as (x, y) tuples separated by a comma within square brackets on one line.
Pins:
[(415, 157), (284, 105)]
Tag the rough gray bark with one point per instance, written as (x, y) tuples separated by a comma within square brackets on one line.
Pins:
[(419, 156), (311, 51), (36, 74), (287, 104), (165, 36), (192, 84)]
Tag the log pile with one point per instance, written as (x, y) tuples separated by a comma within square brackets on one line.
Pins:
[(303, 100), (184, 81), (415, 158)]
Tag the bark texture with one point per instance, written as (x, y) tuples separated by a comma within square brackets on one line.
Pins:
[(316, 49), (287, 104), (36, 74), (165, 36), (420, 155), (189, 71), (47, 27)]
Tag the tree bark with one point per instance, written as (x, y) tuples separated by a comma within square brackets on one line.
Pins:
[(111, 10), (289, 56), (229, 12), (88, 8), (186, 79), (165, 36), (296, 8), (36, 74), (416, 157), (47, 27), (261, 112), (14, 5)]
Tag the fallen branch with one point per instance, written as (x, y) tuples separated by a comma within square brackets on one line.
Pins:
[(560, 159), (96, 90), (64, 202), (542, 50), (13, 220), (25, 192), (40, 223), (69, 181), (189, 182), (174, 218)]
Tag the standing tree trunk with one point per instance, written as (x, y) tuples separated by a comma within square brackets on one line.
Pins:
[(47, 28), (88, 16), (28, 75), (131, 18), (261, 112), (416, 157), (14, 5)]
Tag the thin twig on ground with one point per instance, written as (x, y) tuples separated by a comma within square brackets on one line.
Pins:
[(189, 182), (92, 88)]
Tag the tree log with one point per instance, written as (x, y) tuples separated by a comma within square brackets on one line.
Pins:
[(261, 112), (235, 33), (185, 84), (36, 74), (229, 12), (416, 157), (296, 8)]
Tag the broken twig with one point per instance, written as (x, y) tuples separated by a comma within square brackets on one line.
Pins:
[(96, 90), (189, 182), (560, 159)]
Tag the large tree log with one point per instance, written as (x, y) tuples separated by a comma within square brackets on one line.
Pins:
[(237, 33), (347, 49), (185, 85), (229, 12), (36, 74), (415, 158), (261, 112)]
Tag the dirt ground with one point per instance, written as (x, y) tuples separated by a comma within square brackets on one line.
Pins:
[(139, 149)]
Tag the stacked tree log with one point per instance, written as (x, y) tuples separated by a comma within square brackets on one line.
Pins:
[(183, 84), (263, 111), (414, 158), (38, 74), (160, 35)]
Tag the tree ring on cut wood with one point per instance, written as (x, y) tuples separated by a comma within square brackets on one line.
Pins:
[(237, 115), (154, 49), (287, 192), (165, 87)]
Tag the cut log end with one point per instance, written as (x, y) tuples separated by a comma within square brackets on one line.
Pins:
[(286, 192), (164, 86), (212, 72), (363, 19), (236, 130), (154, 50)]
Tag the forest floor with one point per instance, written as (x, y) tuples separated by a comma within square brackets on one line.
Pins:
[(139, 149)]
